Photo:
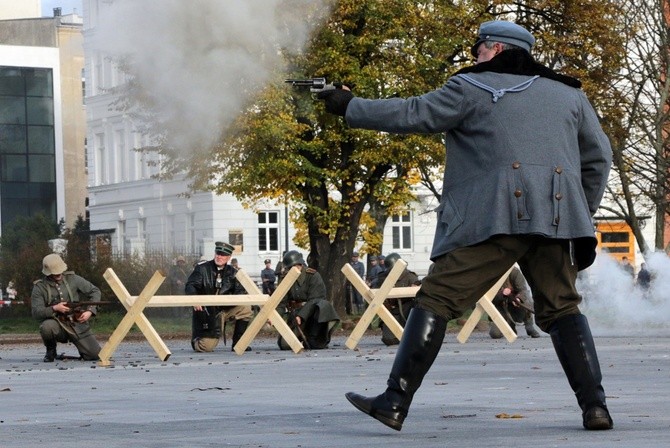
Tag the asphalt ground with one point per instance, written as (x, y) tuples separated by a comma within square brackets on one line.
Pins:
[(485, 393)]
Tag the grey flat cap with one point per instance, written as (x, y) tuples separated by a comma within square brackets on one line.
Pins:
[(505, 32)]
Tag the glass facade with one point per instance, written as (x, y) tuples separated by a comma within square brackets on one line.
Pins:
[(27, 145)]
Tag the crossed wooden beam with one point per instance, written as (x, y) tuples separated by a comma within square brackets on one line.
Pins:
[(135, 306), (376, 298)]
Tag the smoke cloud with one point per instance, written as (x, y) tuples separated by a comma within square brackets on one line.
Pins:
[(199, 62), (615, 306)]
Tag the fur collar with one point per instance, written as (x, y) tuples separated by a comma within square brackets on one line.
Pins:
[(520, 62)]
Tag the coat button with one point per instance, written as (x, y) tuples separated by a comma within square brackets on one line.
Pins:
[(557, 220), (559, 196), (559, 170), (516, 165), (519, 215), (517, 193)]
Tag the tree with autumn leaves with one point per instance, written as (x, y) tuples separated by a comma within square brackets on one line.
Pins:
[(285, 147)]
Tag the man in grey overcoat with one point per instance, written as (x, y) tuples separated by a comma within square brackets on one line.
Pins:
[(527, 167)]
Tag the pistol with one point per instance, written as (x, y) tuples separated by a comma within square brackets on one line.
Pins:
[(315, 84)]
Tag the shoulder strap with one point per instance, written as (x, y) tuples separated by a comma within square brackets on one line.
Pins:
[(498, 93)]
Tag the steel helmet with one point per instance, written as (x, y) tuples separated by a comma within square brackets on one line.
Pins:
[(291, 258), (53, 264), (390, 260)]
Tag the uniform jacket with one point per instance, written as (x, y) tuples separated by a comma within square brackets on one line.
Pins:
[(72, 288), (202, 280), (531, 161), (317, 313)]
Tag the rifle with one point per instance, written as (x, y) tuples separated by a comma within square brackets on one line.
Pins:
[(76, 310), (315, 85), (520, 304)]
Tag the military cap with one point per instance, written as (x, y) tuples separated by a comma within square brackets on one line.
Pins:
[(505, 32), (222, 248)]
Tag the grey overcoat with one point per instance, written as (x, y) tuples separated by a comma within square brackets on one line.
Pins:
[(532, 161)]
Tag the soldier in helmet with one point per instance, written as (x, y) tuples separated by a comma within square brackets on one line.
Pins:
[(52, 297), (399, 308), (211, 278), (309, 314)]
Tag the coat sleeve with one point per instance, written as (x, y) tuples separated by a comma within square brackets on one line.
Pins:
[(194, 283), (433, 112), (88, 290), (595, 156), (40, 309)]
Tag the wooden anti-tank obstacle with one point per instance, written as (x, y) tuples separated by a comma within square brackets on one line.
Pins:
[(135, 306), (376, 298)]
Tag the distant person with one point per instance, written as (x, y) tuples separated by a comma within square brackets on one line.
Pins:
[(280, 271), (178, 276), (268, 278), (627, 267), (514, 302), (308, 312), (216, 277), (374, 270), (644, 278), (235, 264), (380, 262), (354, 294), (53, 302), (11, 291)]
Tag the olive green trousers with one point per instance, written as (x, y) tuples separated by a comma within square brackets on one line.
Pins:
[(461, 277)]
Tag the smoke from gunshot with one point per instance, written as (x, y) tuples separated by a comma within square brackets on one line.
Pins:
[(199, 62), (616, 306)]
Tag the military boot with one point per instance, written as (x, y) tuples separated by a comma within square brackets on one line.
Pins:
[(240, 328), (51, 353), (576, 351), (420, 344)]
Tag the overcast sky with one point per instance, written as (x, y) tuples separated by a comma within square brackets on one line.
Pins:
[(67, 6)]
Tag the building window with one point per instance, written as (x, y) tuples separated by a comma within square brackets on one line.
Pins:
[(236, 238), (190, 230), (401, 226), (268, 231), (27, 143), (142, 228), (121, 156), (617, 239), (121, 237), (100, 160)]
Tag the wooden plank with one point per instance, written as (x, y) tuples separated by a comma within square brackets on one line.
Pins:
[(403, 292), (484, 305), (369, 295), (269, 312), (374, 308), (133, 316), (204, 300), (142, 322)]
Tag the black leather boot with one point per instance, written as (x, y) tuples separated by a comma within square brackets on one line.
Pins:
[(420, 344), (51, 353), (240, 328), (576, 351)]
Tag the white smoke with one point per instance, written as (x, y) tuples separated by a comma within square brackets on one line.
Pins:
[(615, 306), (200, 61)]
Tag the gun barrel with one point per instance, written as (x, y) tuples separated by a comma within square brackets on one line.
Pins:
[(314, 83)]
